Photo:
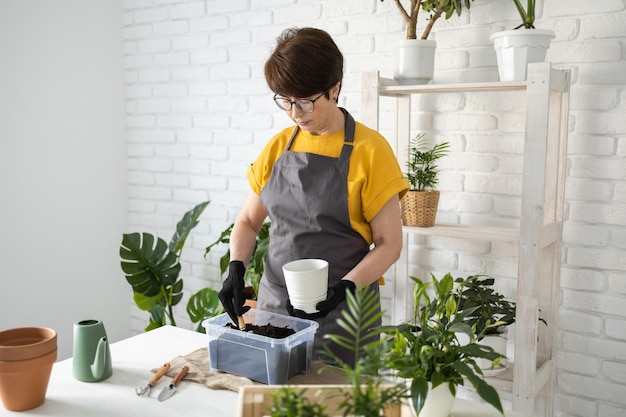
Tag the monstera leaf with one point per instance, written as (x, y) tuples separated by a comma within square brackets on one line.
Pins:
[(149, 268), (202, 305)]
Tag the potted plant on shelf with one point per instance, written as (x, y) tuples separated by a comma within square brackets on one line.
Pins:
[(491, 315), (428, 351), (419, 204), (415, 58), (523, 45)]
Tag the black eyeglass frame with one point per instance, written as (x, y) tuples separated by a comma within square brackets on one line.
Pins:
[(297, 102)]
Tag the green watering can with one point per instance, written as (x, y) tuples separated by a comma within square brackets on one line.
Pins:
[(92, 355)]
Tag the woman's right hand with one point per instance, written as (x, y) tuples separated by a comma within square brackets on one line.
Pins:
[(231, 295)]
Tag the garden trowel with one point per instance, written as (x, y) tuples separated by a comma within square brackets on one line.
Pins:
[(168, 391)]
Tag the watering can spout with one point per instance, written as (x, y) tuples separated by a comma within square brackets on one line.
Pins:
[(99, 365)]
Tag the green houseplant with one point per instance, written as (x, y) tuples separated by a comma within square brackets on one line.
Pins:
[(427, 351), (527, 15), (491, 312), (152, 268), (256, 266), (434, 8), (291, 402), (415, 58), (419, 205), (523, 45), (368, 393)]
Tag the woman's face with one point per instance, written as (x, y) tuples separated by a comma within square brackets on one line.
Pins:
[(322, 119)]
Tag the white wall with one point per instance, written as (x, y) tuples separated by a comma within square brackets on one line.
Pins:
[(62, 166)]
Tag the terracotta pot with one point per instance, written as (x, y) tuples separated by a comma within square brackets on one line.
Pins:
[(27, 354), (26, 343)]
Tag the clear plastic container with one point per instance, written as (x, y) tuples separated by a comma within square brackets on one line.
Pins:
[(260, 358)]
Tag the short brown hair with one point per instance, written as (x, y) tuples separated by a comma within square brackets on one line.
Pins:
[(305, 61)]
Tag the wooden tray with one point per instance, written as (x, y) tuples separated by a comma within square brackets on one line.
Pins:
[(256, 400)]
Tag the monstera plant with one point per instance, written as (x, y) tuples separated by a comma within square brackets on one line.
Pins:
[(152, 268)]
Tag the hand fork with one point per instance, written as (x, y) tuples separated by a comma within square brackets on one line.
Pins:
[(146, 390)]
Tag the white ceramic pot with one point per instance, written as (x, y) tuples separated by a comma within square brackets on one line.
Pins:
[(307, 283), (498, 343), (438, 402), (515, 49), (414, 61)]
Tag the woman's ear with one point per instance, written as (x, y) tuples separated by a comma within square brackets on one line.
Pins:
[(334, 92)]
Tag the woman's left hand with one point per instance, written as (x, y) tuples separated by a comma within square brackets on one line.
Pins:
[(336, 295)]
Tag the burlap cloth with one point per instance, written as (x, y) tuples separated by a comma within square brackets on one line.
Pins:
[(200, 372)]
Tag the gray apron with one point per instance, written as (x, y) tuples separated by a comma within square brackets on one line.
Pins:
[(306, 199)]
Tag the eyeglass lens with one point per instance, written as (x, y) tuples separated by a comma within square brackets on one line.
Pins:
[(303, 104)]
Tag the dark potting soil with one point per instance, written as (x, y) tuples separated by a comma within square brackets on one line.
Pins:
[(266, 330)]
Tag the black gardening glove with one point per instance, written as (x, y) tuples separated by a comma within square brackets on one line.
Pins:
[(336, 295), (231, 295)]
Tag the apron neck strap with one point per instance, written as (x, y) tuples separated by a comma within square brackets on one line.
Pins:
[(348, 138)]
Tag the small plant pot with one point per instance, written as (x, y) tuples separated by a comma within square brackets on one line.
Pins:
[(414, 61), (307, 283), (26, 358), (419, 208), (439, 402), (515, 49)]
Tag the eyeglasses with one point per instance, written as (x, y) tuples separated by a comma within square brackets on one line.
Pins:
[(303, 104)]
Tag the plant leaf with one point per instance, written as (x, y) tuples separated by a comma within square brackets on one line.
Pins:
[(484, 390), (148, 267), (202, 305), (184, 226)]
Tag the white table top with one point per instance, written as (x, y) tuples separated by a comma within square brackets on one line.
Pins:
[(133, 360)]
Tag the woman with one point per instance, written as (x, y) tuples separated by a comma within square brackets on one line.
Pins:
[(330, 187)]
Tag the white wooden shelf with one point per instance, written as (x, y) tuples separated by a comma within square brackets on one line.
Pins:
[(530, 379), (460, 231)]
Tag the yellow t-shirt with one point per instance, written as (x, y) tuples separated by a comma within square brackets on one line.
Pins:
[(374, 175)]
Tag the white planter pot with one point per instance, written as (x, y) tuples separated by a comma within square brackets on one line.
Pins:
[(414, 61), (438, 402), (498, 343), (515, 49)]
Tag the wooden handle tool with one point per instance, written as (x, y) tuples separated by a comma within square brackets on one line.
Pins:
[(240, 321)]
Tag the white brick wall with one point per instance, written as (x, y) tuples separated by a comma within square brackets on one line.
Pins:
[(198, 111)]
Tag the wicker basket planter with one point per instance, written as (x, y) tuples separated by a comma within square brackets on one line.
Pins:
[(419, 208)]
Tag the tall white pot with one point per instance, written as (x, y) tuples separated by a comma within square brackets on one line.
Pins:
[(414, 61), (439, 402), (515, 49)]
